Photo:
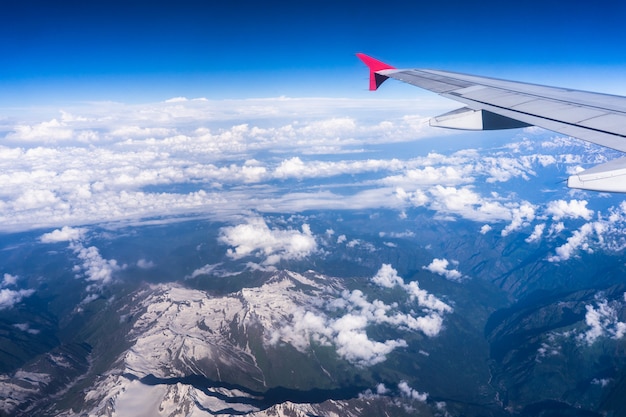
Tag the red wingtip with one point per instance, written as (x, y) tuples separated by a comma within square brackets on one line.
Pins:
[(374, 65)]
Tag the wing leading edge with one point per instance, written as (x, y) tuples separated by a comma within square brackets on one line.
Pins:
[(493, 103)]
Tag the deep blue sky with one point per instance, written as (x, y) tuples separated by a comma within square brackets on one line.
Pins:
[(139, 51)]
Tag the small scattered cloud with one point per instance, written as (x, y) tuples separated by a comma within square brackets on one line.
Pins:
[(603, 321), (574, 209), (537, 233), (578, 241), (8, 298), (387, 277), (407, 392), (522, 216), (145, 264), (93, 267), (440, 267), (25, 327), (255, 238), (65, 234), (9, 280)]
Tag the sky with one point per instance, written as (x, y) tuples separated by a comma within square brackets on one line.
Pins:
[(139, 51)]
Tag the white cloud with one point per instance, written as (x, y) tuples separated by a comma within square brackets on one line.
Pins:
[(387, 277), (108, 162), (536, 234), (145, 264), (354, 345), (603, 321), (63, 235), (560, 209), (205, 270), (381, 389), (8, 298), (352, 313), (467, 204), (8, 280), (485, 229), (522, 216), (48, 132), (25, 327), (94, 266), (255, 238), (440, 267), (408, 392), (578, 241)]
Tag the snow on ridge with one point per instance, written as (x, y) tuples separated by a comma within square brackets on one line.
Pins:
[(181, 332)]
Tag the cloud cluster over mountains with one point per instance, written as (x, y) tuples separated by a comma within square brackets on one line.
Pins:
[(274, 245), (92, 267), (108, 162), (9, 294), (343, 321)]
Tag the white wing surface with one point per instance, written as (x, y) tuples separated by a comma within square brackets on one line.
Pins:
[(493, 103)]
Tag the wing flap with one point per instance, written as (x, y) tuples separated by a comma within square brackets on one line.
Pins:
[(610, 176)]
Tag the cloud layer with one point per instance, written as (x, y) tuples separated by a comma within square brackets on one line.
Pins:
[(108, 162)]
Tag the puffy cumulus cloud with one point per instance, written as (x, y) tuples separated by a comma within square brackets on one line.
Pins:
[(604, 233), (387, 277), (343, 321), (536, 234), (444, 175), (93, 267), (603, 321), (408, 392), (561, 209), (579, 240), (485, 228), (468, 204), (347, 332), (51, 131), (8, 280), (64, 234), (8, 298), (296, 168), (145, 264), (354, 345), (440, 267), (521, 217), (255, 238)]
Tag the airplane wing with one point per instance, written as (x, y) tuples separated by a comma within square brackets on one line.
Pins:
[(493, 103)]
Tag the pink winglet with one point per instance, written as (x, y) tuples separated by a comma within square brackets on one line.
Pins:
[(374, 65)]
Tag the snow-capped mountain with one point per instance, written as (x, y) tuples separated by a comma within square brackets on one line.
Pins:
[(193, 353)]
